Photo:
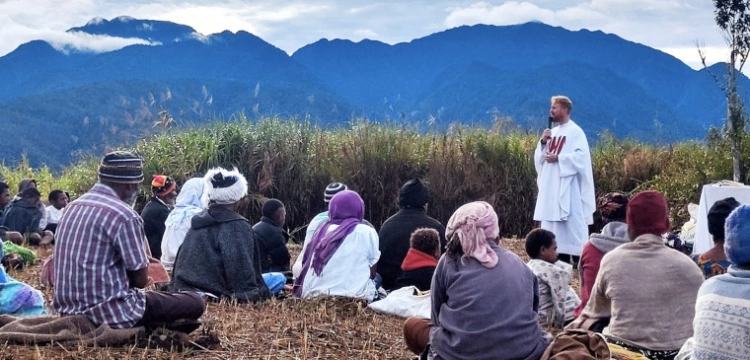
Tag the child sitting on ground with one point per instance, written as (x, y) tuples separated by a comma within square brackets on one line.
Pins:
[(557, 299), (421, 260)]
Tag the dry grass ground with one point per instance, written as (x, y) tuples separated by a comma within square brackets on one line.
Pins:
[(289, 329)]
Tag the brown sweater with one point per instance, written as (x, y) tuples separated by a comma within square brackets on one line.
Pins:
[(649, 291)]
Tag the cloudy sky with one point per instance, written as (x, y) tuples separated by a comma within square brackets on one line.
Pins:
[(673, 26)]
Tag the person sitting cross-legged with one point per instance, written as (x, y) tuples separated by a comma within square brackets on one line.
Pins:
[(23, 215), (101, 262), (220, 253), (341, 258), (413, 199), (557, 299), (484, 298), (646, 289)]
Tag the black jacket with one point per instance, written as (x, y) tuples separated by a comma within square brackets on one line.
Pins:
[(22, 217), (220, 256), (394, 241), (271, 240), (421, 278), (154, 216)]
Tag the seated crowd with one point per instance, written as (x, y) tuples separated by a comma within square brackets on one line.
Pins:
[(190, 244)]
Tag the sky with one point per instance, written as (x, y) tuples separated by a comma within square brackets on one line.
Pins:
[(673, 26)]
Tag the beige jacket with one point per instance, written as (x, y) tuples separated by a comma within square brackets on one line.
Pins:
[(648, 291)]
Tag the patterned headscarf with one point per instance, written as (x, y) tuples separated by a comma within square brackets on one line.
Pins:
[(613, 207), (472, 224), (162, 185)]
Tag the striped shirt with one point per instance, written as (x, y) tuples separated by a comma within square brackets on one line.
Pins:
[(98, 239)]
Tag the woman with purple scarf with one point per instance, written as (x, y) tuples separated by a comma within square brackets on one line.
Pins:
[(342, 255)]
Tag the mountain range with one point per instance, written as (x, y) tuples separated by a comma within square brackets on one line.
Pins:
[(58, 101)]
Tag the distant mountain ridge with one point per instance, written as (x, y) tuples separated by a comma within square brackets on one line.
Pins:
[(84, 101)]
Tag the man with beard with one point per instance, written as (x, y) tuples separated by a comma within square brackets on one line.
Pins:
[(566, 202)]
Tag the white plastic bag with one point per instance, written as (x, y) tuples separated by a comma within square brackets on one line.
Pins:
[(405, 302)]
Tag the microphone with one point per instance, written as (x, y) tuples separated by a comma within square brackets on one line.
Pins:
[(549, 122)]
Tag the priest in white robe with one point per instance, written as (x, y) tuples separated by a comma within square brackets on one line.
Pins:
[(566, 201)]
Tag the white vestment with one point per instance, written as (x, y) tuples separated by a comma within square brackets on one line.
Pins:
[(566, 201)]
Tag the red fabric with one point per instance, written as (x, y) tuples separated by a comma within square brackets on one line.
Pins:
[(647, 213), (416, 259), (591, 259)]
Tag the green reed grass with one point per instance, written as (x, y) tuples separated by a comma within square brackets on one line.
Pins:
[(293, 160)]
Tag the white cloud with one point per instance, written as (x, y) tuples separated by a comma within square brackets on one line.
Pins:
[(365, 34), (663, 24), (79, 41), (690, 55), (673, 25)]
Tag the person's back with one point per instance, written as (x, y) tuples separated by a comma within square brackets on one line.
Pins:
[(189, 202), (154, 216), (347, 273), (219, 256), (395, 232), (97, 239), (721, 322), (647, 284), (341, 257), (271, 238), (612, 235), (645, 287), (420, 262), (486, 313), (484, 298), (557, 300), (156, 211)]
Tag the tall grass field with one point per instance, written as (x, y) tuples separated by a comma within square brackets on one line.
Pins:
[(295, 160)]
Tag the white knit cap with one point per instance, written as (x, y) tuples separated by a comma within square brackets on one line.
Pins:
[(225, 186)]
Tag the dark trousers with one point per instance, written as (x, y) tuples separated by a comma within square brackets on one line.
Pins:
[(168, 307)]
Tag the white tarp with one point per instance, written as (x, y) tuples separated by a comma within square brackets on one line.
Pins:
[(709, 195)]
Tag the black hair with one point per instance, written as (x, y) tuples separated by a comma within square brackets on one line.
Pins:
[(54, 194), (536, 240), (425, 240), (3, 186)]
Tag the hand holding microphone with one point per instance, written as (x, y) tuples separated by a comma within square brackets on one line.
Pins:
[(547, 134)]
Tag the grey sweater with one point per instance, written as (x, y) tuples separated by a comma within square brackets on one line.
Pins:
[(480, 313), (220, 256), (648, 291)]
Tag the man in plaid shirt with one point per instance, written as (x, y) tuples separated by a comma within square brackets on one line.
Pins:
[(101, 264)]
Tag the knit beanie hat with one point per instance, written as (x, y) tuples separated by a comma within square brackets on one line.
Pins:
[(333, 189), (225, 186), (270, 207), (737, 240), (717, 215), (162, 185), (121, 167), (413, 194), (647, 213)]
